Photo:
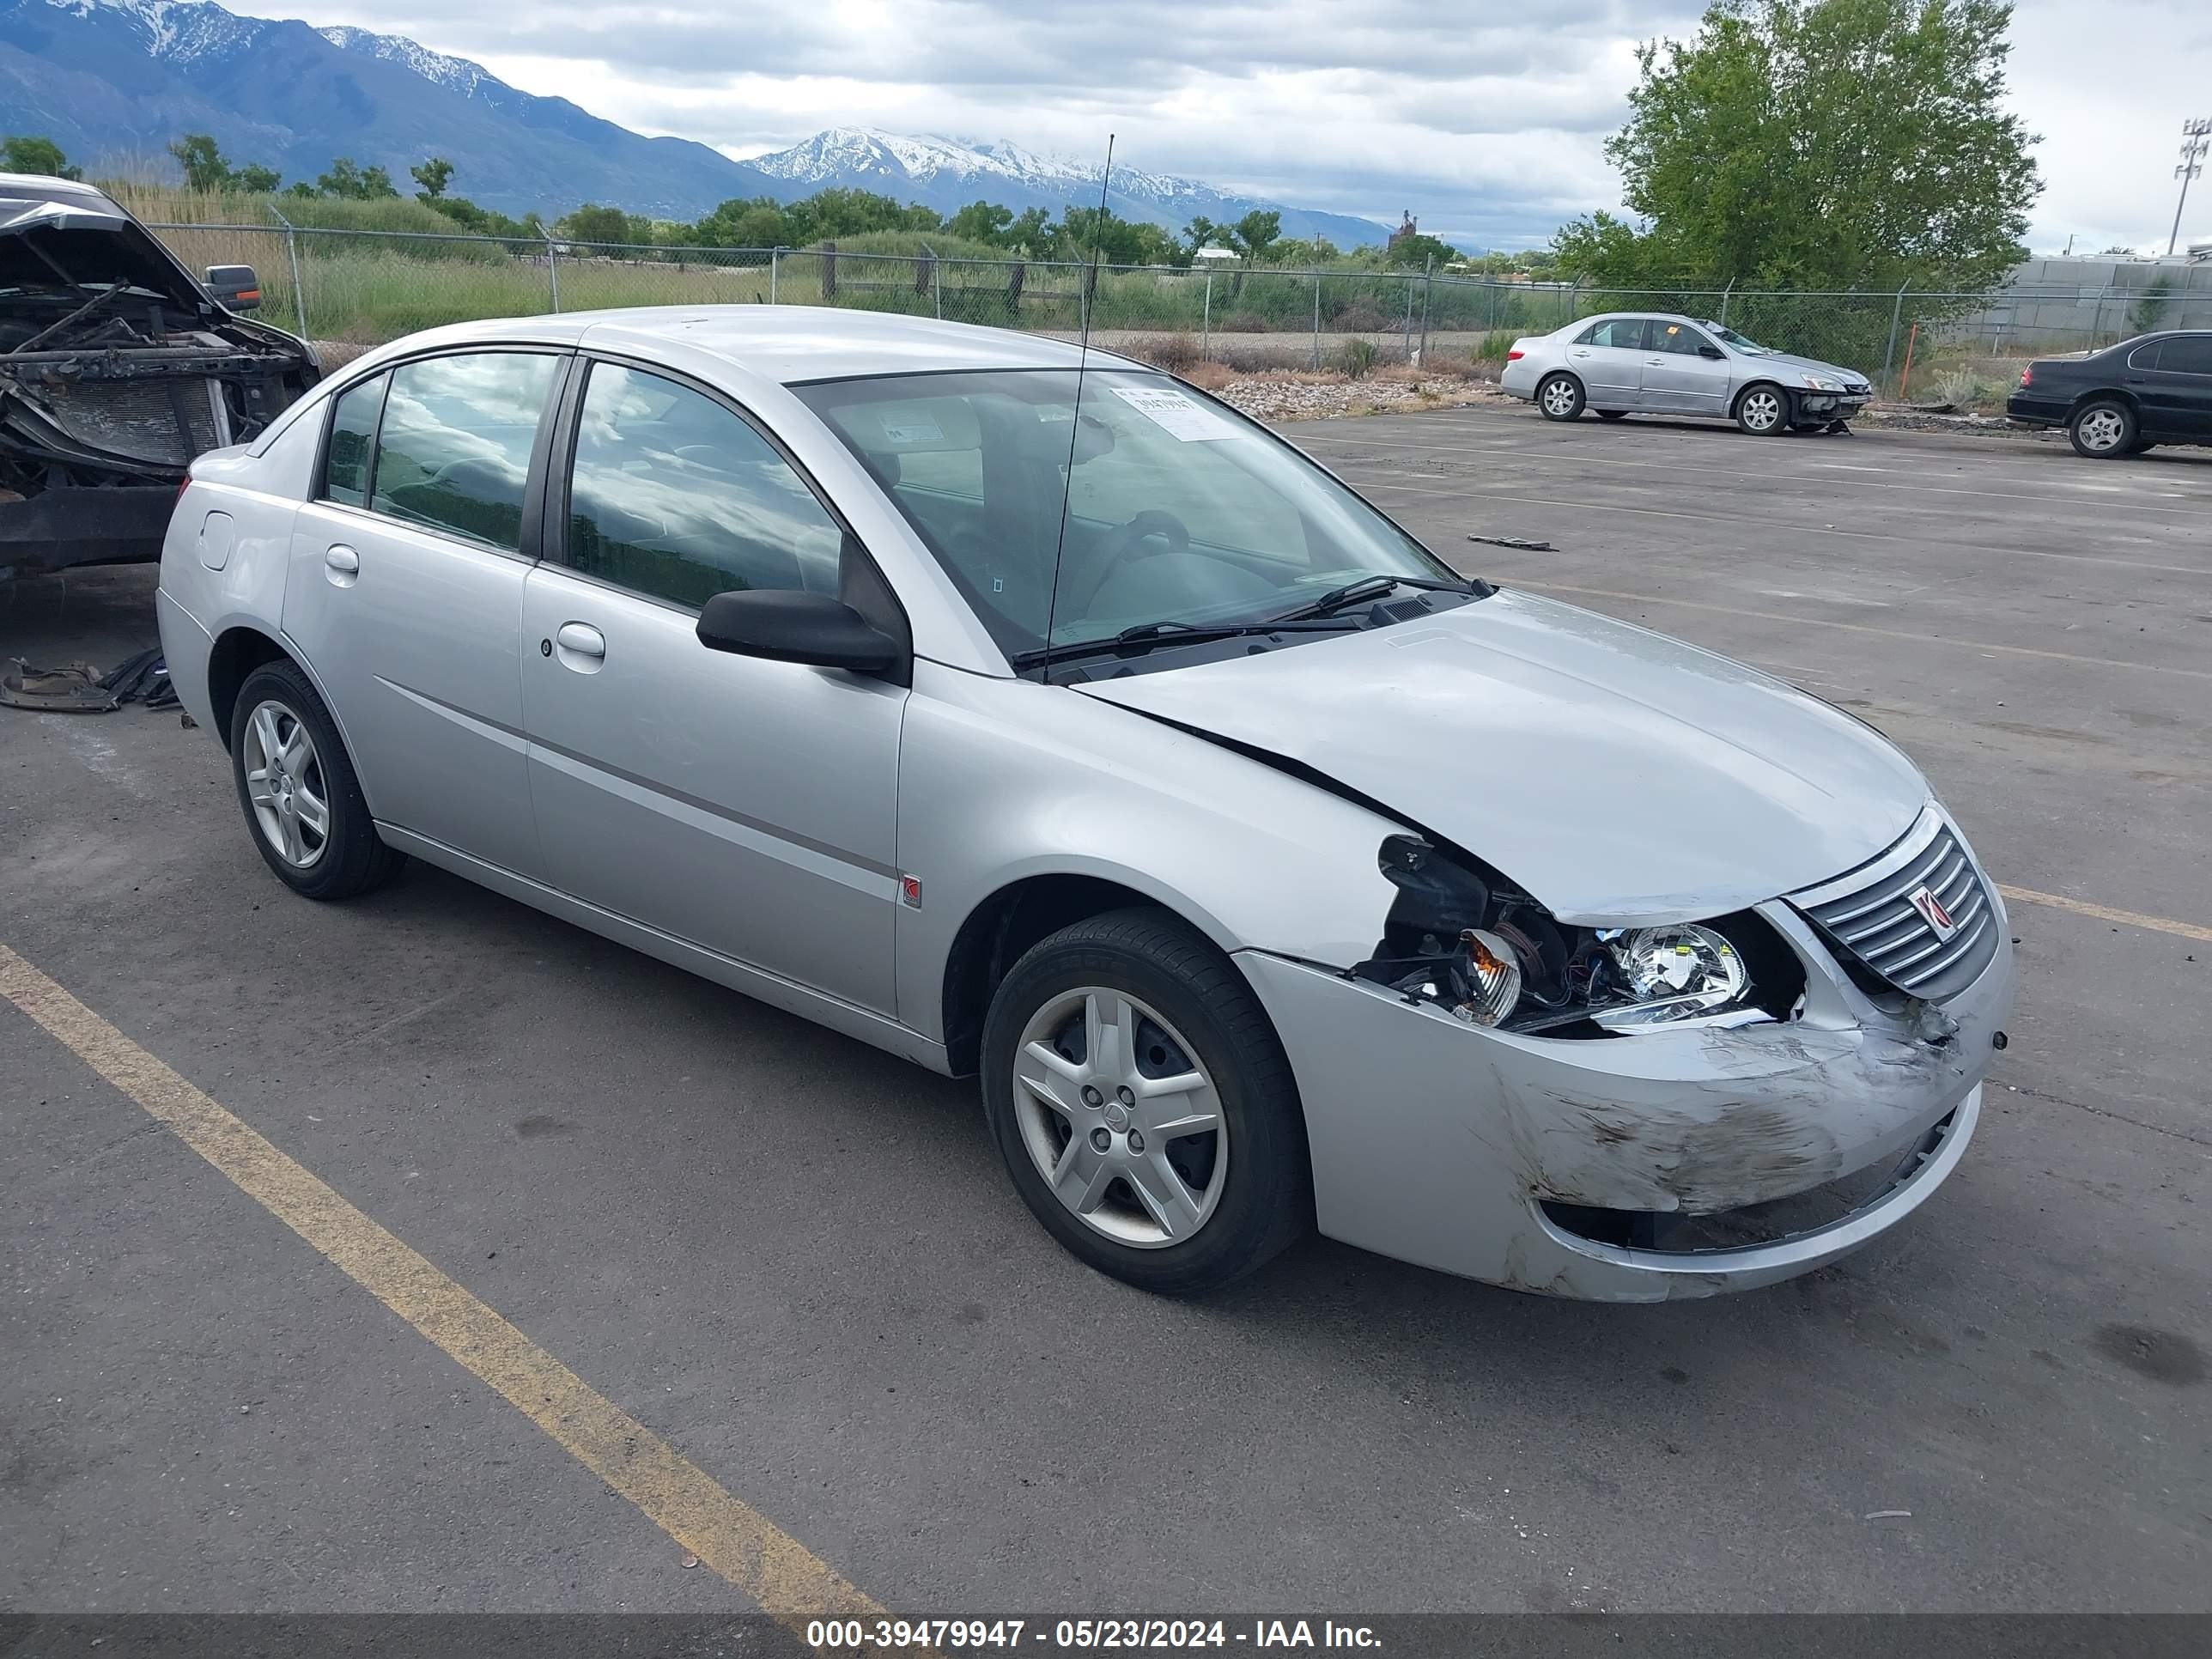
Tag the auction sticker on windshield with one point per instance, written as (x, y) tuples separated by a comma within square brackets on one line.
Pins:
[(1175, 414)]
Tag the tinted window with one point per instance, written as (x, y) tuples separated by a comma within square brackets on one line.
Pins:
[(1622, 333), (454, 448), (674, 496), (2186, 354), (353, 429), (1678, 338)]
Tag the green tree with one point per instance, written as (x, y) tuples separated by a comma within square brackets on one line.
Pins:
[(1255, 234), (433, 175), (1419, 249), (256, 180), (27, 154), (590, 223), (980, 221), (204, 168), (1819, 144), (1201, 231)]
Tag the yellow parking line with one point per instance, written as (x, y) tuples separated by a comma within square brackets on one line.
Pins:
[(737, 1540), (2125, 918)]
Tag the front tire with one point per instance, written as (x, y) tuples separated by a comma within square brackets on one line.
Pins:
[(2103, 430), (1144, 1106), (296, 786), (1559, 396), (1763, 410)]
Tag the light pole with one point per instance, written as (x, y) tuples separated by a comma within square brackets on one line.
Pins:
[(2196, 139)]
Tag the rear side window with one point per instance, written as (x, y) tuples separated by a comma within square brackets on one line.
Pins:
[(353, 431), (1622, 333), (453, 450), (2186, 355)]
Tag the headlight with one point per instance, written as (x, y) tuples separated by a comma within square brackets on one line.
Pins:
[(1818, 385), (1674, 973), (1494, 976)]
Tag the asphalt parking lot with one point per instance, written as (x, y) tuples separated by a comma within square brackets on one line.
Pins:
[(797, 1262)]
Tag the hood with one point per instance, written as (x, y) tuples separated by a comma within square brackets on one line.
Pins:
[(1621, 777), (92, 242), (1809, 365)]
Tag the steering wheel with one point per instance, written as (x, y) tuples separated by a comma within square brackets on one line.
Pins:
[(1120, 545)]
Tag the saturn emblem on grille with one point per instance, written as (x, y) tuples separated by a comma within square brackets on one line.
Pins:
[(1932, 912)]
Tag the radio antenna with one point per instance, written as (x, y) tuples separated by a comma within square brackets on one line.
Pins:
[(1090, 297)]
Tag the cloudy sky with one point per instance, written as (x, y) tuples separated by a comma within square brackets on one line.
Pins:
[(1485, 117)]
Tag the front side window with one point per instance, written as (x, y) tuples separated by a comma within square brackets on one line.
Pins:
[(453, 450), (1677, 339), (673, 496), (1177, 509), (353, 430)]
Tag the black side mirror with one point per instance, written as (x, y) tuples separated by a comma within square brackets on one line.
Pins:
[(787, 626), (1711, 351), (234, 287)]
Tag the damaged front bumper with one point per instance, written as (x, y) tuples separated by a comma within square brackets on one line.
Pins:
[(1504, 1157)]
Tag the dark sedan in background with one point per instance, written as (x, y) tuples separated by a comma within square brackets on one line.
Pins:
[(2155, 389)]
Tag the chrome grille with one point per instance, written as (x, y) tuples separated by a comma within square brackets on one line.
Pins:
[(1868, 912)]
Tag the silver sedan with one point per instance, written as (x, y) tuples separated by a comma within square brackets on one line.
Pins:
[(1642, 363), (1053, 722)]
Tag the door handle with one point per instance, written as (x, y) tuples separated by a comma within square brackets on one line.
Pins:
[(341, 565), (581, 646), (1654, 362), (1578, 354)]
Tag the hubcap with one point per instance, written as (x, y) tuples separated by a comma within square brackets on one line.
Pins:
[(1120, 1118), (1559, 397), (284, 785), (2102, 429), (1761, 410)]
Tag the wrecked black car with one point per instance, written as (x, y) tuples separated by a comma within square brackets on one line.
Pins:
[(117, 367)]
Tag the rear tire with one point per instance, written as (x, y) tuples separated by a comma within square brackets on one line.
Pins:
[(1560, 398), (1763, 410), (1076, 1029), (296, 786), (2103, 430)]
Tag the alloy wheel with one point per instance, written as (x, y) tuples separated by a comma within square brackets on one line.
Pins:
[(1559, 397), (2103, 430), (285, 787), (1762, 410), (1120, 1117)]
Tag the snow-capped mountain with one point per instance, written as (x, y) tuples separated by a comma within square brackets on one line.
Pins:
[(948, 174), (113, 81)]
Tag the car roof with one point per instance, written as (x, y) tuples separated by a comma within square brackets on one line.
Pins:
[(793, 344), (45, 188)]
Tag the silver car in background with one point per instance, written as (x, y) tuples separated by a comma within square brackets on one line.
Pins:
[(1070, 729), (1651, 363)]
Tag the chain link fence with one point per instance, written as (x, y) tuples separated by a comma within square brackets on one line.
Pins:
[(363, 288)]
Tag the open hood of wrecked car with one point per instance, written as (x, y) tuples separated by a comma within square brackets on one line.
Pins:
[(92, 243), (1621, 777)]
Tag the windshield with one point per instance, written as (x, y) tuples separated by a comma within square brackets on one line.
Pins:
[(1749, 348), (1182, 512)]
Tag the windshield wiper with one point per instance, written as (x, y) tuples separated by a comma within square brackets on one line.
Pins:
[(1145, 635), (1374, 587)]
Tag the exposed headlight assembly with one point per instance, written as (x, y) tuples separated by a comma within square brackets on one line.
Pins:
[(1673, 974), (1461, 938)]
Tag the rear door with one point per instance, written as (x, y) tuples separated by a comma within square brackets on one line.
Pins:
[(1678, 379), (744, 805), (2175, 388), (1608, 357), (403, 592)]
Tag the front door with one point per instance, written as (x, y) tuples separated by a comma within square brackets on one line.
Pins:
[(1678, 378), (403, 592), (744, 805), (1608, 357)]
